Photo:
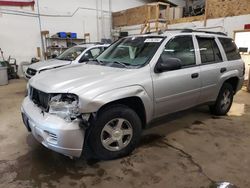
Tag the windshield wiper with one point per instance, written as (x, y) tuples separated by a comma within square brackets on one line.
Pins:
[(120, 63)]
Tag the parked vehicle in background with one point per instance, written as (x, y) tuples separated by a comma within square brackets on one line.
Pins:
[(74, 55), (105, 104)]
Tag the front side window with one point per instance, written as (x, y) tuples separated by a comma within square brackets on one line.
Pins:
[(209, 50), (71, 54), (92, 53), (130, 52), (95, 52), (180, 47), (230, 49)]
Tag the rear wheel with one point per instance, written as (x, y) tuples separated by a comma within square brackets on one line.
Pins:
[(224, 100), (115, 132)]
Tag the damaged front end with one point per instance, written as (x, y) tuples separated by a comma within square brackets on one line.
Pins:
[(55, 121), (65, 106)]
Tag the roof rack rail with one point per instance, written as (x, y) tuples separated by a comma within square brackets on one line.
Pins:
[(198, 31), (202, 31)]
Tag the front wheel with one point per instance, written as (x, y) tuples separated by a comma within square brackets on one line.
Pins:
[(224, 100), (114, 133)]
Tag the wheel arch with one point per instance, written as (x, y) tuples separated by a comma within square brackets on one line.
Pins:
[(233, 81), (135, 103), (134, 97)]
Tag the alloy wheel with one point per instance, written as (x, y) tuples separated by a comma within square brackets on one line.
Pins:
[(226, 100), (116, 134)]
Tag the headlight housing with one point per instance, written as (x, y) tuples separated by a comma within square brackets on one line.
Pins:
[(65, 106)]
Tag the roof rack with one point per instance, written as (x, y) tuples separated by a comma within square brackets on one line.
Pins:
[(197, 31), (202, 31)]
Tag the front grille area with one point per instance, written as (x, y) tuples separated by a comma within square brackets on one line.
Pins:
[(40, 98), (52, 136), (31, 72)]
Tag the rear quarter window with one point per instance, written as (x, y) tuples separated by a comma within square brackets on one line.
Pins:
[(230, 49)]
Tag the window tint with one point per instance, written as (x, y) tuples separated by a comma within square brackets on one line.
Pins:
[(209, 50), (230, 49), (92, 54), (87, 55), (181, 47), (95, 52)]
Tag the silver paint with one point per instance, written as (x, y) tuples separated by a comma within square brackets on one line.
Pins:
[(161, 93)]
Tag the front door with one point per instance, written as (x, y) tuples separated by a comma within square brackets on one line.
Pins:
[(177, 89)]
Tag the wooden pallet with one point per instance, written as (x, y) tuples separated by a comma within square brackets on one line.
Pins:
[(143, 15)]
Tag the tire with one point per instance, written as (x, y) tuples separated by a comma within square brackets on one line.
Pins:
[(223, 105), (114, 133)]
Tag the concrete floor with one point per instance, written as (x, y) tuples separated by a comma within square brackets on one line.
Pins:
[(193, 150)]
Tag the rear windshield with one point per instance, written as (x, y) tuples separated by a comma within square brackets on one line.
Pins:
[(230, 49)]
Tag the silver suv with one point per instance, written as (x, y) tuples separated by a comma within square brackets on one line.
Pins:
[(74, 55), (104, 105)]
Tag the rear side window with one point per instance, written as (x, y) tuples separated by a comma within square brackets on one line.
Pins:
[(209, 50), (230, 49)]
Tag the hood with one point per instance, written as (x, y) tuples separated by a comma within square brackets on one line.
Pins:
[(82, 79), (49, 64)]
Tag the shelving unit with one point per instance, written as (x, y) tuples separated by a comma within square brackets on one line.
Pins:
[(56, 45)]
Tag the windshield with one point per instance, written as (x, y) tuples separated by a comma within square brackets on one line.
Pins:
[(130, 52), (71, 54)]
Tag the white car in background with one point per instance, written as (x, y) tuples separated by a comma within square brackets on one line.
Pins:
[(74, 55)]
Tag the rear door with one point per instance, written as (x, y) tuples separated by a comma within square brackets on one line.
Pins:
[(212, 66), (178, 89), (233, 58)]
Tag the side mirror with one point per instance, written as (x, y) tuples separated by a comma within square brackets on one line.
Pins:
[(168, 64), (243, 50), (84, 58), (54, 56)]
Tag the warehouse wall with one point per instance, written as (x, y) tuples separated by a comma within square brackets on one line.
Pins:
[(222, 8), (20, 34), (227, 25)]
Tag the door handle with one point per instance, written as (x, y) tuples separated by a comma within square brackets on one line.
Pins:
[(223, 70), (194, 75)]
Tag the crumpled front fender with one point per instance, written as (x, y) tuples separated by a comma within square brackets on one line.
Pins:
[(121, 93)]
